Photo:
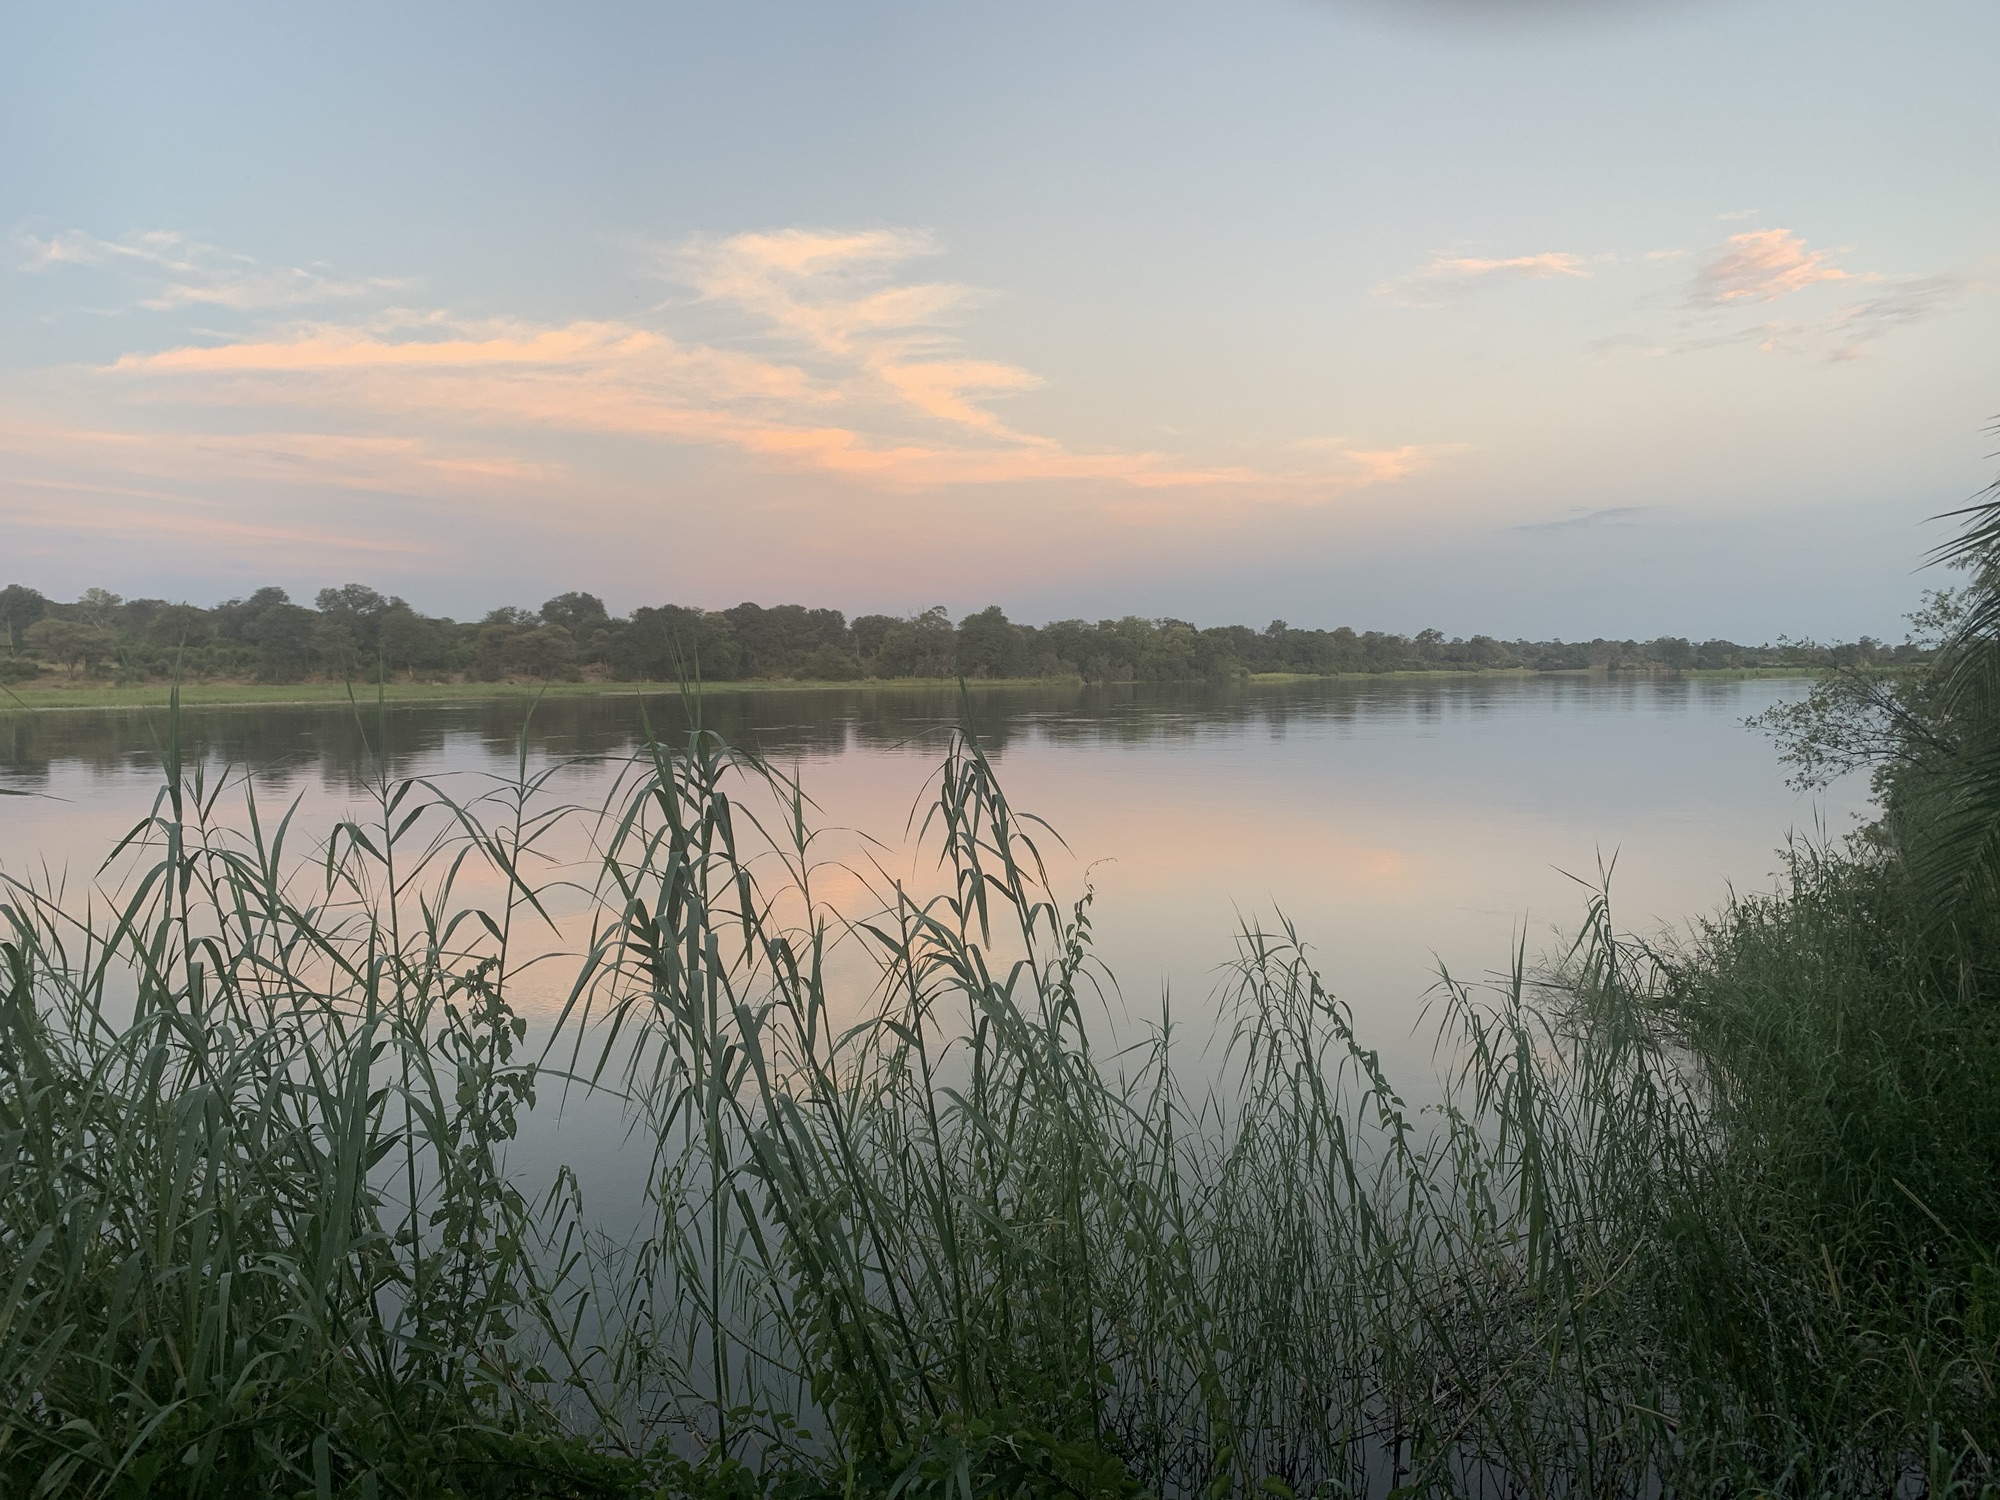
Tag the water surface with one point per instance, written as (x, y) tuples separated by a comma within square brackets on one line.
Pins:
[(1401, 823)]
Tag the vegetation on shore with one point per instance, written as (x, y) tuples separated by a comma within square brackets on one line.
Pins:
[(1716, 1216), (356, 634), (49, 692), (56, 692), (1719, 1219)]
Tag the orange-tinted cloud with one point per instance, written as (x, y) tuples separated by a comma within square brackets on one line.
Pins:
[(864, 381), (341, 458), (1447, 275), (1763, 266)]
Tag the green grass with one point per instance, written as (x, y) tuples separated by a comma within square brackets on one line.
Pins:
[(258, 1234), (53, 692), (1725, 673)]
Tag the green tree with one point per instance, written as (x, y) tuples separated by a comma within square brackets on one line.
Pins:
[(493, 646), (1930, 733), (988, 645), (279, 630), (580, 614), (920, 646), (99, 606), (408, 640), (20, 607), (177, 625), (335, 650), (1673, 651), (663, 644), (348, 636), (869, 632), (71, 643), (548, 653)]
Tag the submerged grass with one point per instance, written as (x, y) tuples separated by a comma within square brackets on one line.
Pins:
[(1719, 1220)]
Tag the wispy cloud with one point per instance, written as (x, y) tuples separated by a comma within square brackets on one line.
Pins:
[(1764, 265), (1727, 302), (168, 271), (68, 509), (836, 360), (837, 294), (1451, 275), (1902, 303), (1608, 516)]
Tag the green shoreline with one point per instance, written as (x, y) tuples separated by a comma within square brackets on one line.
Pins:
[(28, 697)]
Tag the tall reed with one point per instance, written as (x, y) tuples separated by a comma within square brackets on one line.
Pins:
[(259, 1231)]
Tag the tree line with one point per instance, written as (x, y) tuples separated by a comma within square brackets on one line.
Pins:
[(356, 633)]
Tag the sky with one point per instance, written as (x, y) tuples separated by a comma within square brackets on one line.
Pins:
[(1533, 319)]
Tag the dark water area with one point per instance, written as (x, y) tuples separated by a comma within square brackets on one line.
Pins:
[(338, 742)]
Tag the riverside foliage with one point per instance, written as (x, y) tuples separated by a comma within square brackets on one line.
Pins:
[(1718, 1218), (356, 633)]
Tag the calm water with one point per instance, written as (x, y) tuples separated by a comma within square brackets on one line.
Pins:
[(1400, 823)]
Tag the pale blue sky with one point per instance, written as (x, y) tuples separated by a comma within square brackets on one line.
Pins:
[(1534, 319)]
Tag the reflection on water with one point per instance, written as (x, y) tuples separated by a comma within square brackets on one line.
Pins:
[(278, 741), (1400, 822)]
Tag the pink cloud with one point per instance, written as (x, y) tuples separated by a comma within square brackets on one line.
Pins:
[(635, 385), (1763, 266), (907, 409), (843, 366), (1445, 275)]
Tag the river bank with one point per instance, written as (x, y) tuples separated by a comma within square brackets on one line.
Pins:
[(57, 693)]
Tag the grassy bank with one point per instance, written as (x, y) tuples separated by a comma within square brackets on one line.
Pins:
[(1715, 1220), (55, 692)]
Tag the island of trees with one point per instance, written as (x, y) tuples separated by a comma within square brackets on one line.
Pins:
[(355, 632)]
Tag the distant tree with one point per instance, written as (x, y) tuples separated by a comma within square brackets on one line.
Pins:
[(1485, 651), (20, 607), (99, 606), (988, 645), (348, 636), (1673, 651), (920, 646), (493, 646), (335, 650), (71, 643), (408, 640), (178, 625), (350, 599), (547, 653), (775, 642), (579, 614), (869, 632), (662, 644), (280, 630), (830, 664)]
